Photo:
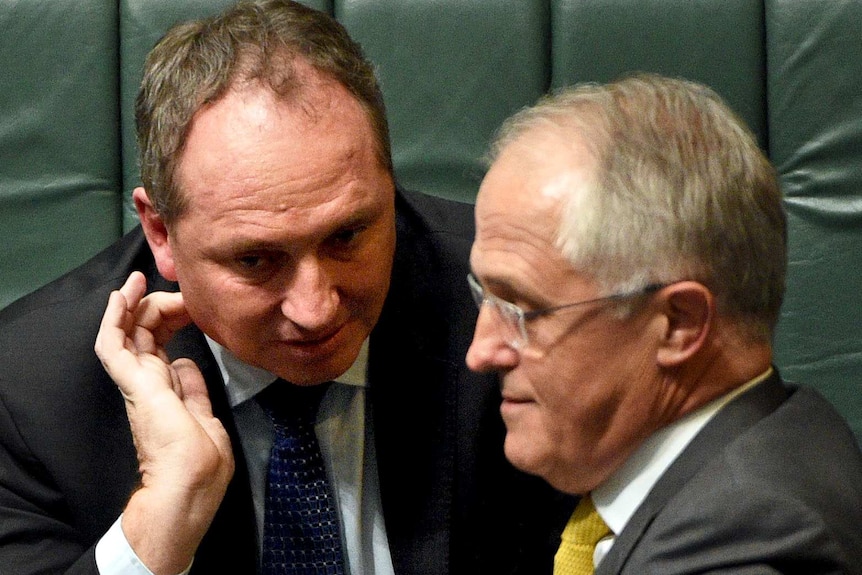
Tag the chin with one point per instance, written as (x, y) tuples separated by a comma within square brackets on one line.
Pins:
[(314, 372), (310, 375), (521, 454)]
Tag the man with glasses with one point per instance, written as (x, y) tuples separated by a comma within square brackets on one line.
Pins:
[(629, 268)]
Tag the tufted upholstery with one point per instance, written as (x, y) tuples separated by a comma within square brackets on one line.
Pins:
[(451, 70)]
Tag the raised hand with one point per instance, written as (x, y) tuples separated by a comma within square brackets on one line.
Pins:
[(184, 452)]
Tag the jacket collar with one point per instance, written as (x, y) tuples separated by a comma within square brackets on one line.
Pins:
[(737, 416)]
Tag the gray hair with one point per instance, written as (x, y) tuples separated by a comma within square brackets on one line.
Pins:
[(681, 191)]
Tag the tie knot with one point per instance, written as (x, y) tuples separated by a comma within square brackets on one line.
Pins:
[(585, 526), (584, 529), (283, 400)]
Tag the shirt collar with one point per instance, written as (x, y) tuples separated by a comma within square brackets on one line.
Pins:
[(618, 498), (243, 381)]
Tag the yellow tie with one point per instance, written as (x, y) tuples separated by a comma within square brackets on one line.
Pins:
[(584, 529)]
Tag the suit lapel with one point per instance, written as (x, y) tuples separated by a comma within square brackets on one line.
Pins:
[(413, 387), (413, 415), (729, 423), (230, 544)]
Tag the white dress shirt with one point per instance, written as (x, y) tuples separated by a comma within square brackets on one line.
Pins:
[(618, 498), (346, 441)]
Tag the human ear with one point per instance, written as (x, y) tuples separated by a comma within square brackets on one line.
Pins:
[(156, 232), (689, 308)]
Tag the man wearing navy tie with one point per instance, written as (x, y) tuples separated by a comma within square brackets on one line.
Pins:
[(275, 249)]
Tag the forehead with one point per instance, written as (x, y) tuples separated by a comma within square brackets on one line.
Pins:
[(518, 211), (529, 183), (251, 141), (257, 168)]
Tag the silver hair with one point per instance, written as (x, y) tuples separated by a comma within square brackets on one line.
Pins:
[(681, 191)]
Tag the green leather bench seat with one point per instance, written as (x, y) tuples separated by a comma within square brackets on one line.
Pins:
[(814, 72), (720, 44), (60, 183), (451, 71)]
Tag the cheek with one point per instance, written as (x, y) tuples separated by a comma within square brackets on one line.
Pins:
[(572, 399), (248, 312), (539, 441), (365, 280), (539, 432), (364, 283)]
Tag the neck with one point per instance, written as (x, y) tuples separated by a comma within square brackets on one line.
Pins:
[(726, 362)]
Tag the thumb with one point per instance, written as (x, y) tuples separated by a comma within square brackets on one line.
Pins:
[(192, 387), (196, 399)]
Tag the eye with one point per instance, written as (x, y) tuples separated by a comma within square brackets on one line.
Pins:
[(250, 262), (519, 300), (346, 237), (256, 265)]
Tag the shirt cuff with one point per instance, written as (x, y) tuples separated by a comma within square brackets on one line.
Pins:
[(114, 555)]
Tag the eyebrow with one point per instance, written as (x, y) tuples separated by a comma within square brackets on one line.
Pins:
[(494, 283)]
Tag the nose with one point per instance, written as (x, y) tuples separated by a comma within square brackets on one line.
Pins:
[(311, 299), (489, 350)]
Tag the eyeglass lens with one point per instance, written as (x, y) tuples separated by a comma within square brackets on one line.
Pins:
[(511, 316)]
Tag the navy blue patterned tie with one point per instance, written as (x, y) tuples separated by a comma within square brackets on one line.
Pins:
[(300, 533)]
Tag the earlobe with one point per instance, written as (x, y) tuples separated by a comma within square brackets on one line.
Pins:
[(690, 311), (156, 232)]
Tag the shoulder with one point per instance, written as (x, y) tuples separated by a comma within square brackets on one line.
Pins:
[(434, 237), (767, 497), (428, 295), (424, 215), (727, 521), (805, 428), (52, 330), (432, 252), (104, 272)]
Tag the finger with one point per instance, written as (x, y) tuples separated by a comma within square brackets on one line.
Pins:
[(112, 335), (134, 289), (155, 317), (162, 314), (176, 382), (129, 366), (112, 339), (143, 340), (194, 390), (196, 399)]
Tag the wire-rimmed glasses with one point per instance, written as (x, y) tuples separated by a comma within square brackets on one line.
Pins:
[(514, 319)]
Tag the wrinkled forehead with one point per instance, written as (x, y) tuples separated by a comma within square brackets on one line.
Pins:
[(517, 208), (534, 175), (251, 153)]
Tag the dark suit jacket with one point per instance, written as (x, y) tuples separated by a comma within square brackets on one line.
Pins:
[(773, 484), (451, 502)]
